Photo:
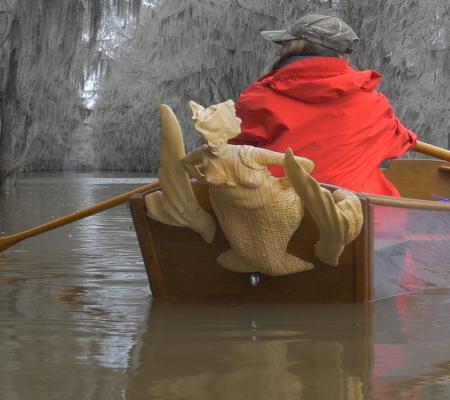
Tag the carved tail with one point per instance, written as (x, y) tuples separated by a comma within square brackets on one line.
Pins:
[(176, 204), (338, 216)]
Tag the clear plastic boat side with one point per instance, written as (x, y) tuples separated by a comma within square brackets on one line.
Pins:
[(411, 250)]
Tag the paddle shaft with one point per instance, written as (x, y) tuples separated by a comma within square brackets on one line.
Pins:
[(8, 241), (430, 150)]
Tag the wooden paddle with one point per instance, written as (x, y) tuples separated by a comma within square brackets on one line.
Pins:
[(8, 241), (430, 150)]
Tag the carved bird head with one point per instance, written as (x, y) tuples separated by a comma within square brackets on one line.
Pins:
[(217, 122)]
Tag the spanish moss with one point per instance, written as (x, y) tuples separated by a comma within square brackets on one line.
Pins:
[(82, 79), (210, 51), (47, 46)]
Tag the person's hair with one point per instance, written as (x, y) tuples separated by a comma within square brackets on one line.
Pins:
[(299, 47)]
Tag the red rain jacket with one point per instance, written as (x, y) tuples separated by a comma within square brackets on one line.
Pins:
[(328, 112)]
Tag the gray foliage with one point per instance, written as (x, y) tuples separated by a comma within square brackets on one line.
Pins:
[(210, 51), (207, 51), (410, 44), (48, 49)]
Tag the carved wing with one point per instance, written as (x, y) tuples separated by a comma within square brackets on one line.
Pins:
[(176, 204), (338, 215)]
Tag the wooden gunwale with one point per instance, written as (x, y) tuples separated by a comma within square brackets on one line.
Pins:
[(405, 202)]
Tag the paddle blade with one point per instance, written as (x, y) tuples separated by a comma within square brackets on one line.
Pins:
[(6, 243)]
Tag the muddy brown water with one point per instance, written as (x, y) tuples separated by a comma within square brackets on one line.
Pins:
[(77, 322)]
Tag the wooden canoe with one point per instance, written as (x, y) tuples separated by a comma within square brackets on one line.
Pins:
[(404, 246)]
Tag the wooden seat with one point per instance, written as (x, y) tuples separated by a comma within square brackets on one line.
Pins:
[(420, 179)]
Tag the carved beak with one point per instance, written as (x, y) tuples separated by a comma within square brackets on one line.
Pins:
[(197, 110)]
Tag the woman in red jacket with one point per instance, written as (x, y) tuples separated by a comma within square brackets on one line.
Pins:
[(315, 103)]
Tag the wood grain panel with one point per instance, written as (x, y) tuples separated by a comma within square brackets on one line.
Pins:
[(419, 179), (182, 267)]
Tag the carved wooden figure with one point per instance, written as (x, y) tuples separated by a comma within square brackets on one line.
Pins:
[(338, 215), (257, 212), (176, 204)]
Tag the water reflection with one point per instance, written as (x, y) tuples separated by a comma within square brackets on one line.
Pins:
[(393, 349), (252, 352), (72, 301), (77, 322)]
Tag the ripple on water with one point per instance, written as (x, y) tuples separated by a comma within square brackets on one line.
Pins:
[(77, 322)]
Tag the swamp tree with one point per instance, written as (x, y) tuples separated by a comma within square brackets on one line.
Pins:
[(184, 49), (48, 50), (209, 51)]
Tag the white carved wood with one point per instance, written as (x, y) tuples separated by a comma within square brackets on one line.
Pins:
[(338, 215), (176, 204), (257, 212)]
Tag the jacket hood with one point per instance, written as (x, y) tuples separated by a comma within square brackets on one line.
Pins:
[(320, 79)]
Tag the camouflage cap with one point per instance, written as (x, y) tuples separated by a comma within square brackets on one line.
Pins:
[(324, 30)]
